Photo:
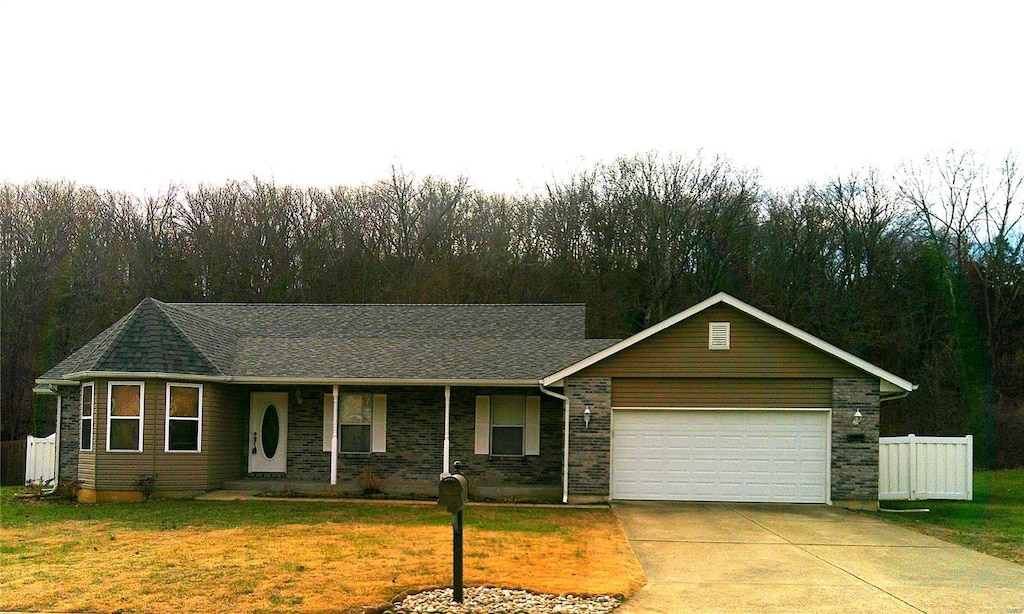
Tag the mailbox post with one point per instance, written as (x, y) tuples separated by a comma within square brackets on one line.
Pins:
[(452, 493)]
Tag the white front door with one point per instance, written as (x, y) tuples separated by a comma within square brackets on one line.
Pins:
[(268, 432)]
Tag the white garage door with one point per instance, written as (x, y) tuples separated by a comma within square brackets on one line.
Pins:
[(720, 455)]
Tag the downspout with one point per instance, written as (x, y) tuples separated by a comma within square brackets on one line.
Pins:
[(56, 454), (565, 445), (334, 438), (447, 415)]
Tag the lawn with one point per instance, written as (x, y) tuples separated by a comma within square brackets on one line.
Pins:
[(295, 556), (992, 523)]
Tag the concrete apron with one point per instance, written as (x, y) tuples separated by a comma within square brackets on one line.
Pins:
[(718, 557)]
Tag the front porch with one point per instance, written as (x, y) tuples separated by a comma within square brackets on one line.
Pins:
[(406, 445)]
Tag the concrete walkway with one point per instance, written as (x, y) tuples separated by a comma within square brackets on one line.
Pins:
[(714, 557)]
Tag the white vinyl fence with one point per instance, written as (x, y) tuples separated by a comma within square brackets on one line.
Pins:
[(40, 456), (926, 468)]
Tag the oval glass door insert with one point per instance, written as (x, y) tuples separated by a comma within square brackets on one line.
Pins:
[(271, 430)]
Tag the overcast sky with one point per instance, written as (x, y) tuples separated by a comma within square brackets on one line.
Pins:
[(137, 95)]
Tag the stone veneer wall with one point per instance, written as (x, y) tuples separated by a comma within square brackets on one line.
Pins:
[(415, 442), (69, 436), (415, 433), (855, 448), (589, 447), (506, 473)]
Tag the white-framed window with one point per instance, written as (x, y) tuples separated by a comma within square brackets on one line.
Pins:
[(355, 419), (362, 422), (508, 425), (125, 410), (87, 405), (183, 430)]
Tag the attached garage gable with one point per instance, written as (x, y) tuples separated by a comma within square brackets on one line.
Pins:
[(724, 402), (756, 350)]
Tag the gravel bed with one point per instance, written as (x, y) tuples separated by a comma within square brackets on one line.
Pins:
[(484, 600)]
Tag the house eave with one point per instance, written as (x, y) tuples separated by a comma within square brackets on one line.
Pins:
[(130, 375), (48, 385), (72, 378), (375, 381)]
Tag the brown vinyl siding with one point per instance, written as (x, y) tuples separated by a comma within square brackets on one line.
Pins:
[(223, 435), (757, 351), (99, 439), (120, 470), (87, 470), (721, 392), (174, 471)]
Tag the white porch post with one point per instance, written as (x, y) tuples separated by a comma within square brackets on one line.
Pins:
[(334, 439), (447, 413)]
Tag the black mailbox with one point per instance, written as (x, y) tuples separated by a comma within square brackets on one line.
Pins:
[(453, 492)]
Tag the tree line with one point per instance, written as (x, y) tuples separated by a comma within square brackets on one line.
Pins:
[(921, 272)]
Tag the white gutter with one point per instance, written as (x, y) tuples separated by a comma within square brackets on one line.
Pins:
[(41, 383), (902, 395), (565, 445), (72, 378), (334, 438), (447, 421)]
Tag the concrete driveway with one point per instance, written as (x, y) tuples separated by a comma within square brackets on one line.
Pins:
[(717, 557)]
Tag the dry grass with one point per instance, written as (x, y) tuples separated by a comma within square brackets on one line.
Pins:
[(106, 566)]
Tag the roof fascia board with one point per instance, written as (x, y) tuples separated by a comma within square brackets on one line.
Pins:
[(135, 375), (73, 378), (56, 382), (752, 311), (370, 381)]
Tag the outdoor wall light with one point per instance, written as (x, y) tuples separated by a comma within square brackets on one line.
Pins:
[(857, 416), (586, 416)]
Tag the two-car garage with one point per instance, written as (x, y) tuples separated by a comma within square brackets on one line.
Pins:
[(724, 402), (741, 455)]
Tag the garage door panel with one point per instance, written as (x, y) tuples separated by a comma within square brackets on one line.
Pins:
[(713, 455)]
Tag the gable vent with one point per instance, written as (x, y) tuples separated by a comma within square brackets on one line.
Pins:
[(718, 336)]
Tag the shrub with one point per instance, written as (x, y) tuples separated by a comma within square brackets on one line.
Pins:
[(371, 483), (146, 484)]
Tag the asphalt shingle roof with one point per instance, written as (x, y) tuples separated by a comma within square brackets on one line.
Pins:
[(394, 342)]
